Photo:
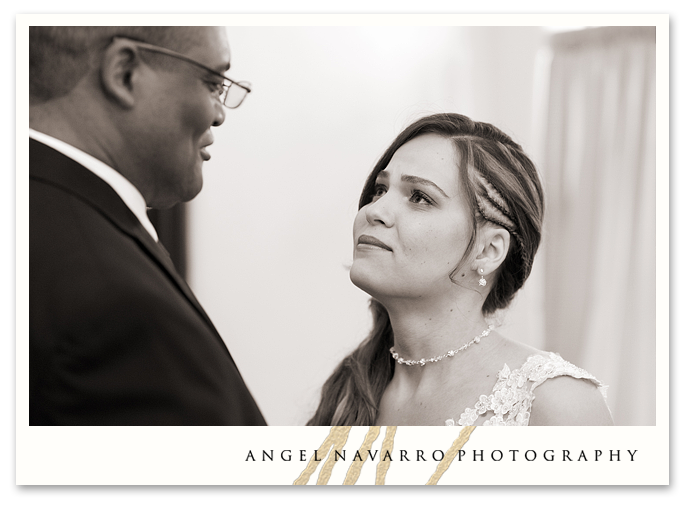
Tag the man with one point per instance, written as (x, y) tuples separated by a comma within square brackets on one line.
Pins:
[(120, 120)]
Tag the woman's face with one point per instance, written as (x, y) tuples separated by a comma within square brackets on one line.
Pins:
[(414, 232)]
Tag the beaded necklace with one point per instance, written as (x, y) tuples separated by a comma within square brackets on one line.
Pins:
[(450, 353)]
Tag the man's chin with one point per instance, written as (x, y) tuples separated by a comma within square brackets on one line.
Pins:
[(183, 195), (192, 192)]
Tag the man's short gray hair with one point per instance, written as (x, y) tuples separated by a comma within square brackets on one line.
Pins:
[(60, 56)]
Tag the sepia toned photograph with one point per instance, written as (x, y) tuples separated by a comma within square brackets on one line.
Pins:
[(566, 197), (356, 226)]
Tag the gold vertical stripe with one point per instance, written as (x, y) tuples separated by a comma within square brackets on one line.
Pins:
[(340, 437), (444, 464), (387, 446), (334, 434), (354, 471)]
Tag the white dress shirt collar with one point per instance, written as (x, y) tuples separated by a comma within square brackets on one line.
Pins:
[(129, 194)]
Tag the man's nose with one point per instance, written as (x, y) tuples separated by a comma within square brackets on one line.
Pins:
[(220, 115)]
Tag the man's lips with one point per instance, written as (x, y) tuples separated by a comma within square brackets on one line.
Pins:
[(205, 154), (371, 241)]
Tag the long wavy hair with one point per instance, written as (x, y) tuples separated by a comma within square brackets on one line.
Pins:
[(502, 186)]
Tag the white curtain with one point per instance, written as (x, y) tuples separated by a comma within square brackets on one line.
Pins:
[(599, 167)]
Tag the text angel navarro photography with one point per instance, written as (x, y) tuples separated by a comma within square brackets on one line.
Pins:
[(547, 455)]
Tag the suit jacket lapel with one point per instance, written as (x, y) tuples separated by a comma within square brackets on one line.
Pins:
[(61, 171), (162, 256)]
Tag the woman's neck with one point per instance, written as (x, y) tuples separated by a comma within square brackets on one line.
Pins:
[(423, 331)]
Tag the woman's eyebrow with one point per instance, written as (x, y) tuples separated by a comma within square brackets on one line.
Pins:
[(412, 179), (425, 182)]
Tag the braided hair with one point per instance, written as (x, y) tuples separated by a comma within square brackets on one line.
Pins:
[(502, 187)]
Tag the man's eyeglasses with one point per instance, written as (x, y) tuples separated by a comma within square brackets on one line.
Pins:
[(231, 93)]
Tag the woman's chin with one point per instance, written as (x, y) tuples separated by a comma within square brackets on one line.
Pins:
[(377, 286), (364, 281)]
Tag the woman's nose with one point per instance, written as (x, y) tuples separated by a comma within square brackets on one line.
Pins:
[(380, 212)]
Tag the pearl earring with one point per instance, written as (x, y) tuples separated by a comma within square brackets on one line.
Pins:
[(481, 281)]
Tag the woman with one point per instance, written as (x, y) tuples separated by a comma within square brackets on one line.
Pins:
[(447, 229)]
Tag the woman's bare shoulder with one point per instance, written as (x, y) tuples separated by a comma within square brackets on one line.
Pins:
[(566, 400), (513, 353), (560, 400)]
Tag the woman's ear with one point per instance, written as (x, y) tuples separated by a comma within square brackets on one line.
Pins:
[(493, 248), (120, 68)]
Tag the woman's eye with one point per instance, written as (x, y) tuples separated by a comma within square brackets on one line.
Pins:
[(380, 190), (418, 197)]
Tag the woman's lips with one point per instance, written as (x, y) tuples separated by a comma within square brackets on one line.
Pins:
[(205, 154), (369, 240)]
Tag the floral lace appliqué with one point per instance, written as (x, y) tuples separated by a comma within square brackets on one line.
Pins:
[(510, 401)]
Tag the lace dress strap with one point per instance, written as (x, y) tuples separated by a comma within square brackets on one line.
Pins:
[(510, 401)]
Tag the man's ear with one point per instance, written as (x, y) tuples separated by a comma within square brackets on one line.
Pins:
[(493, 246), (120, 69)]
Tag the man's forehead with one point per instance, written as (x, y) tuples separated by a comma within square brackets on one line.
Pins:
[(208, 45)]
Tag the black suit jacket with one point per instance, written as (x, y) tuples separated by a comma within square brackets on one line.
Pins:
[(116, 335)]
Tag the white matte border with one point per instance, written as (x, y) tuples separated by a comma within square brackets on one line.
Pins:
[(218, 455)]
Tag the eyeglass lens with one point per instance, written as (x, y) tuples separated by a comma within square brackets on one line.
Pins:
[(235, 95)]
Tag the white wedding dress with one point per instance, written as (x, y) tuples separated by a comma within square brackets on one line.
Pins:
[(512, 395)]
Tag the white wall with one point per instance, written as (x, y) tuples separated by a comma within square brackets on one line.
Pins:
[(270, 240)]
